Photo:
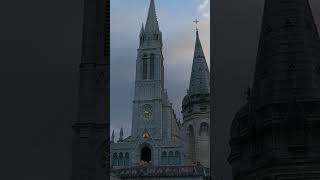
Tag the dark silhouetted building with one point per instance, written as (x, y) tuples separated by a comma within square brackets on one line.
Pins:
[(276, 134)]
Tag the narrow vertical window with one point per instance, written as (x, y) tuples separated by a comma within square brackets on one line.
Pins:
[(115, 159), (126, 159), (145, 67), (204, 129), (120, 160), (164, 158), (171, 158), (177, 158), (152, 66)]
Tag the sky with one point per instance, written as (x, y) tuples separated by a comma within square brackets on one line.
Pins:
[(40, 53), (178, 47)]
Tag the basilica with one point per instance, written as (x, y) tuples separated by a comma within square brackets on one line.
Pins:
[(157, 138)]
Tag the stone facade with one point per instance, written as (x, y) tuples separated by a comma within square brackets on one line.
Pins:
[(275, 135), (157, 138)]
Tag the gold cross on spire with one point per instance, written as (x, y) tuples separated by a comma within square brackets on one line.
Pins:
[(196, 21)]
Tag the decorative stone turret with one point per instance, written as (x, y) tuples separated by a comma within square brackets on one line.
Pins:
[(196, 109)]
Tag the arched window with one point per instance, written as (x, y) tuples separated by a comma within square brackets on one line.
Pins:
[(171, 158), (115, 159), (177, 158), (126, 159), (204, 129), (145, 67), (120, 160), (191, 143), (164, 158), (151, 66)]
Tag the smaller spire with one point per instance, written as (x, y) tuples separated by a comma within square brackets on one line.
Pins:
[(112, 136), (121, 134), (200, 75), (142, 29)]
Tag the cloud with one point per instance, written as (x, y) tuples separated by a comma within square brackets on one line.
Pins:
[(204, 9)]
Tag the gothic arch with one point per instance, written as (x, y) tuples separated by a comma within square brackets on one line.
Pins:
[(126, 159), (177, 158), (204, 129), (191, 143), (171, 158), (164, 158), (115, 159), (120, 159), (140, 148)]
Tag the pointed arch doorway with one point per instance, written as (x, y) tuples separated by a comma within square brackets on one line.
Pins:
[(145, 154)]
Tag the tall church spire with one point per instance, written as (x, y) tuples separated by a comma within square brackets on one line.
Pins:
[(200, 75), (149, 82), (152, 22)]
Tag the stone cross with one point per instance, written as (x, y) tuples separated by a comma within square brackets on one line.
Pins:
[(196, 21)]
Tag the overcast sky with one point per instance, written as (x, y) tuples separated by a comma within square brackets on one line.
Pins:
[(178, 30)]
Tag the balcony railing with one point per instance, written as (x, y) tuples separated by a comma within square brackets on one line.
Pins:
[(163, 171)]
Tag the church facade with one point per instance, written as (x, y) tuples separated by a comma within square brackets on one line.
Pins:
[(157, 138), (275, 135)]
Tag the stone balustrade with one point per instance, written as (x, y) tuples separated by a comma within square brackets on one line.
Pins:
[(163, 171)]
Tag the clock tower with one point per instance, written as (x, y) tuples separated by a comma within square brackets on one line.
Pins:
[(149, 91)]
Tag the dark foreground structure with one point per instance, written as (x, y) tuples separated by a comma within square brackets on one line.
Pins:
[(90, 154), (276, 134)]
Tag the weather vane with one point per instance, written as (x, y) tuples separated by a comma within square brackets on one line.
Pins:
[(196, 21)]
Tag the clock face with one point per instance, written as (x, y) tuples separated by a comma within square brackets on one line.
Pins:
[(147, 111)]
